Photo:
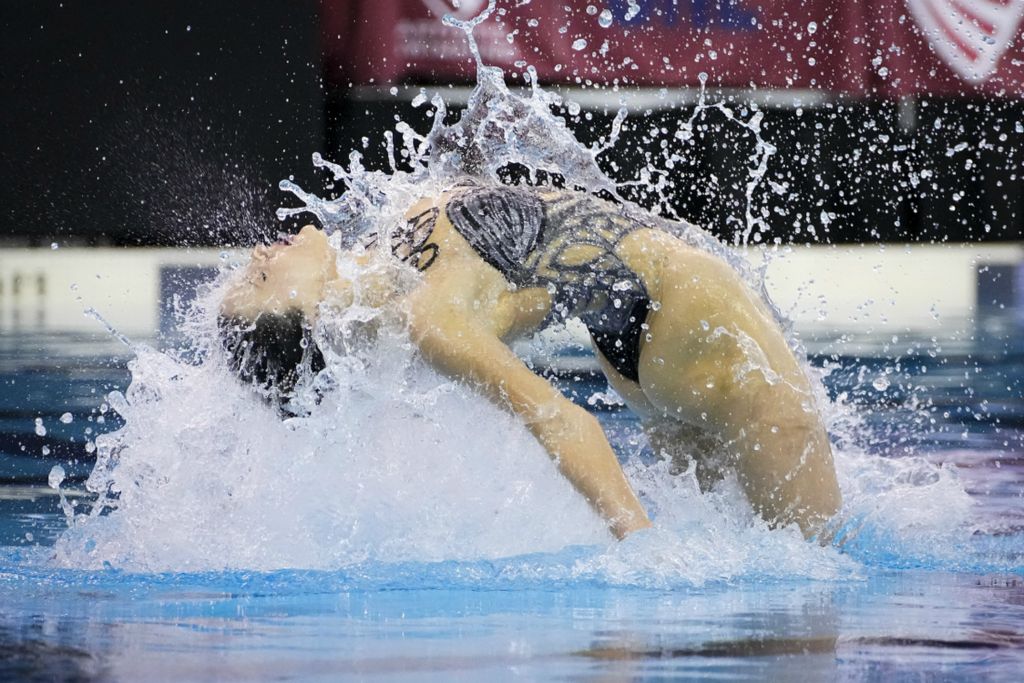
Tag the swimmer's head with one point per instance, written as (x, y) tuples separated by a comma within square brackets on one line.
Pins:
[(288, 275), (267, 316)]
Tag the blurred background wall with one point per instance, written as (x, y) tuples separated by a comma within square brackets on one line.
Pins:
[(171, 123)]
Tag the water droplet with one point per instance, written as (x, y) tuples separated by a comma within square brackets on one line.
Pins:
[(66, 418), (591, 10), (29, 537), (604, 20), (54, 246), (579, 44), (573, 108), (393, 90), (633, 10), (56, 477), (959, 147), (45, 450), (40, 429), (812, 27), (881, 383)]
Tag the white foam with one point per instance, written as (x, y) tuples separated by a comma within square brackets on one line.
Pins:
[(400, 464), (395, 464)]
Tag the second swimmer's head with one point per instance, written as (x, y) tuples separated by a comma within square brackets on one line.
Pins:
[(267, 316)]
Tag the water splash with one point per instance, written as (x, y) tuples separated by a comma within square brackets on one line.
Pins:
[(393, 465), (54, 481), (498, 128)]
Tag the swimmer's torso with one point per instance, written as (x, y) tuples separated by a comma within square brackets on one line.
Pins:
[(564, 242), (708, 358)]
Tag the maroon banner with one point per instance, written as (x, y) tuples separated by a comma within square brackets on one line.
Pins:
[(876, 47), (948, 47)]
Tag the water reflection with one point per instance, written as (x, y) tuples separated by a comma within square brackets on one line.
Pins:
[(107, 626)]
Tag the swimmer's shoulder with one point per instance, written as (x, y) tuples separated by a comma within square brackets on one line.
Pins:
[(425, 203), (431, 243)]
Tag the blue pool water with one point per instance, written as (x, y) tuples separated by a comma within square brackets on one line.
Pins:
[(884, 608)]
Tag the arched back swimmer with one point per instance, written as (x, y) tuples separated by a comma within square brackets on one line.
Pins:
[(679, 334)]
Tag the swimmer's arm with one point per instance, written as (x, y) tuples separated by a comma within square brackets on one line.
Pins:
[(457, 343)]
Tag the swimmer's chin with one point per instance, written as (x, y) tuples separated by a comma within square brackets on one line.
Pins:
[(289, 275)]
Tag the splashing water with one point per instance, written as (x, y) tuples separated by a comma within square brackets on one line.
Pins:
[(398, 464)]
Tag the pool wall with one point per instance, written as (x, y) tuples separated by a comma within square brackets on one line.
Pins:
[(898, 287)]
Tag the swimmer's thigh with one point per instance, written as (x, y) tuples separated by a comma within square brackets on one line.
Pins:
[(714, 357), (691, 365)]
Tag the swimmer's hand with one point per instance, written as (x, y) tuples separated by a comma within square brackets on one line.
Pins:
[(623, 528), (583, 455)]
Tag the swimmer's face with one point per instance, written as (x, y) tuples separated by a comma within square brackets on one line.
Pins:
[(290, 274)]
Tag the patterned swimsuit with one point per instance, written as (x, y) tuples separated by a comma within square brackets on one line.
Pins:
[(563, 241)]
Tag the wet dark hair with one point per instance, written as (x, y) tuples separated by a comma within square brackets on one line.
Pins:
[(271, 352)]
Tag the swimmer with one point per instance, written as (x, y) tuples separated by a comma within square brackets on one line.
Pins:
[(692, 349)]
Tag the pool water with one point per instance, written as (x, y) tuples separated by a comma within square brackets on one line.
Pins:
[(879, 610)]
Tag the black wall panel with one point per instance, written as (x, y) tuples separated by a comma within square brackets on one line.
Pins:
[(153, 122)]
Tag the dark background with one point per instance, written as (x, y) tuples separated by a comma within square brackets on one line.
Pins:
[(172, 122), (154, 122)]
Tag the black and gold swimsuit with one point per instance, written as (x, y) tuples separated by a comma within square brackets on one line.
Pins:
[(564, 241)]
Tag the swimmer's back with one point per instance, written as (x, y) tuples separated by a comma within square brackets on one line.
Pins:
[(566, 242)]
